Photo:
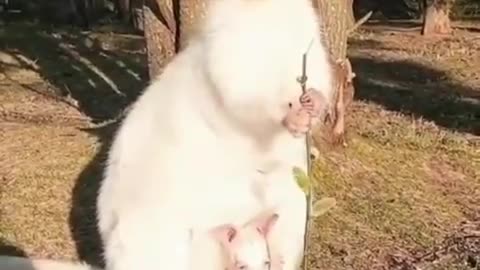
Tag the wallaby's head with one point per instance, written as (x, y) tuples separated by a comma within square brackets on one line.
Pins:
[(247, 247)]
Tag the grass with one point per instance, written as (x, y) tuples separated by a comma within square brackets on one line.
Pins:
[(396, 187), (407, 180)]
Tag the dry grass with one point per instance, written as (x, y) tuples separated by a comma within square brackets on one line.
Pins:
[(410, 174)]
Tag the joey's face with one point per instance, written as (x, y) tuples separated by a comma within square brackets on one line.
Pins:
[(250, 254), (246, 247)]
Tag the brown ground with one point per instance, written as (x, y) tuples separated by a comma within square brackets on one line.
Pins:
[(407, 184)]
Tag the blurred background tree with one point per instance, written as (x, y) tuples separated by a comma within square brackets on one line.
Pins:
[(175, 20), (436, 19)]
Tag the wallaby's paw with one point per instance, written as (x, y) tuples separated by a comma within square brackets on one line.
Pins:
[(313, 102), (297, 121)]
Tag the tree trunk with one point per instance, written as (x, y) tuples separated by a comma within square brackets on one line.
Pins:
[(436, 19), (135, 14), (160, 31), (168, 32), (123, 9), (338, 20), (191, 12)]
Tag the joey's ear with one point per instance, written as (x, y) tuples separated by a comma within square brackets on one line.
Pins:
[(265, 222), (224, 233)]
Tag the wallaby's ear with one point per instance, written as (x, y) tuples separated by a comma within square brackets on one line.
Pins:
[(265, 222), (224, 233)]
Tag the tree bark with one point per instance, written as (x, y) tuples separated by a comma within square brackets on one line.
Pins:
[(190, 14), (168, 26), (123, 9), (337, 19), (436, 20), (135, 14), (159, 30), (130, 11), (338, 22)]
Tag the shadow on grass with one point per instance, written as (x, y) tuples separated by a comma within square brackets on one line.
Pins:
[(83, 212), (418, 90), (365, 43), (102, 82), (401, 25), (469, 29)]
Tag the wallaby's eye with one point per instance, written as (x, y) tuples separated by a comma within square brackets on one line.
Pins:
[(290, 105), (242, 267)]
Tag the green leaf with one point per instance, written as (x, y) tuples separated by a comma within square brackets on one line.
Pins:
[(302, 179), (322, 206)]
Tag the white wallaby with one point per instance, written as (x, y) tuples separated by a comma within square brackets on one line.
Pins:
[(219, 119), (245, 247)]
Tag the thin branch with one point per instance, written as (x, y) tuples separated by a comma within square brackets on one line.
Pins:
[(112, 120), (360, 22), (32, 64)]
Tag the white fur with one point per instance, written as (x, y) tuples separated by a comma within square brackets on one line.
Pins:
[(253, 254), (183, 155)]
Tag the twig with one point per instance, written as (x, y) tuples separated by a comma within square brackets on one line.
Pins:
[(32, 64), (360, 22), (112, 120), (308, 143), (69, 98), (350, 74)]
